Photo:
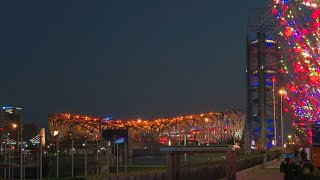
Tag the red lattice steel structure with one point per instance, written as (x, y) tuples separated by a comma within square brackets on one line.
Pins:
[(208, 128)]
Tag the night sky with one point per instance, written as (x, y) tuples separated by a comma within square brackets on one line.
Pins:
[(126, 59)]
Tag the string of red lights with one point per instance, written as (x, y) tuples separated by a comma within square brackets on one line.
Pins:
[(299, 32)]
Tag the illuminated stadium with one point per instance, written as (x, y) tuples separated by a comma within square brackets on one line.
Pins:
[(208, 128)]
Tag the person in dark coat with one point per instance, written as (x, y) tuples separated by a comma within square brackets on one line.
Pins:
[(289, 169), (308, 172), (303, 155)]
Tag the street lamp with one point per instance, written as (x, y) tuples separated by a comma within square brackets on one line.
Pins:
[(281, 92), (14, 126), (208, 140), (19, 141), (72, 151), (85, 157), (56, 134), (290, 141)]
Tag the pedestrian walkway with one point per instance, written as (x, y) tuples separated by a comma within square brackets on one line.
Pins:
[(271, 172)]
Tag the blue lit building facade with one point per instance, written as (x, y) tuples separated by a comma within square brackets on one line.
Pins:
[(264, 80)]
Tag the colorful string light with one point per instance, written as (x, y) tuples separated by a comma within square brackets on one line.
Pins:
[(299, 33)]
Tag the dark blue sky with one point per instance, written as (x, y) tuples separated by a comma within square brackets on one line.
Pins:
[(122, 58)]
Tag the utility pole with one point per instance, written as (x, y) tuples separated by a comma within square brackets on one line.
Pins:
[(40, 157), (21, 151), (97, 156), (108, 157), (125, 158), (282, 92), (274, 113), (71, 157), (117, 158), (85, 158), (5, 156), (57, 139)]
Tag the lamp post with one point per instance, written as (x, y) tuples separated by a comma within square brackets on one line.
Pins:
[(14, 126), (108, 156), (85, 158), (9, 162), (40, 143), (99, 138), (281, 92), (71, 156), (19, 145), (208, 133), (289, 138), (56, 134), (97, 157), (21, 153), (274, 113), (117, 158), (5, 155), (125, 158)]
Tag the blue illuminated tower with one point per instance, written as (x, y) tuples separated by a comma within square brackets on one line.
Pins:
[(263, 81)]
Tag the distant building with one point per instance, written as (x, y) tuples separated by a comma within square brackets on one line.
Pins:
[(10, 122), (30, 130)]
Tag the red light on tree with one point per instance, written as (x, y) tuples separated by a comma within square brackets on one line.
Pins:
[(304, 31), (274, 11), (288, 31), (315, 14), (293, 89), (313, 78)]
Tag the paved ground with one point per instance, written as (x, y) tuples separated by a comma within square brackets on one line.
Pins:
[(264, 174), (272, 172)]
